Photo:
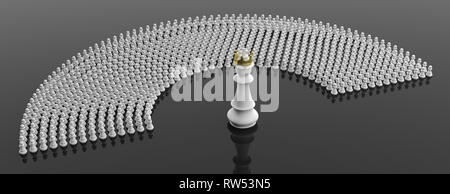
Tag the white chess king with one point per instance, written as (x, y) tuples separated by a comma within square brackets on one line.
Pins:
[(242, 114)]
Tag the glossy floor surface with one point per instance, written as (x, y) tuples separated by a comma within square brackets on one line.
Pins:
[(400, 129)]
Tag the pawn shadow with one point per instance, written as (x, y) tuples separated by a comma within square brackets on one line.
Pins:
[(385, 89)]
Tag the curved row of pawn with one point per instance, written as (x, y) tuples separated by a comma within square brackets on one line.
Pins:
[(110, 88)]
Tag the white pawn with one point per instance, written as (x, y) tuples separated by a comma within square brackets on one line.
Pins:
[(121, 132), (150, 126), (189, 71), (183, 72), (129, 124), (62, 140), (148, 122), (72, 139), (111, 131), (83, 138), (197, 65), (140, 128), (32, 145), (22, 149), (102, 135), (92, 135), (429, 72), (53, 144), (212, 67), (171, 78), (43, 144), (422, 73), (177, 73)]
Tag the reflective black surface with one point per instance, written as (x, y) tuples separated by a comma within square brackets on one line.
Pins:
[(394, 129), (242, 139)]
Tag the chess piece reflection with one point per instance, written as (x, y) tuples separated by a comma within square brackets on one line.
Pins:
[(84, 147), (242, 138)]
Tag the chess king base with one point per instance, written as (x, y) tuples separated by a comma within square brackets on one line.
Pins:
[(242, 119)]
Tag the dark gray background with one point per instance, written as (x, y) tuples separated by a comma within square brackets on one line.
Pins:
[(401, 131)]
